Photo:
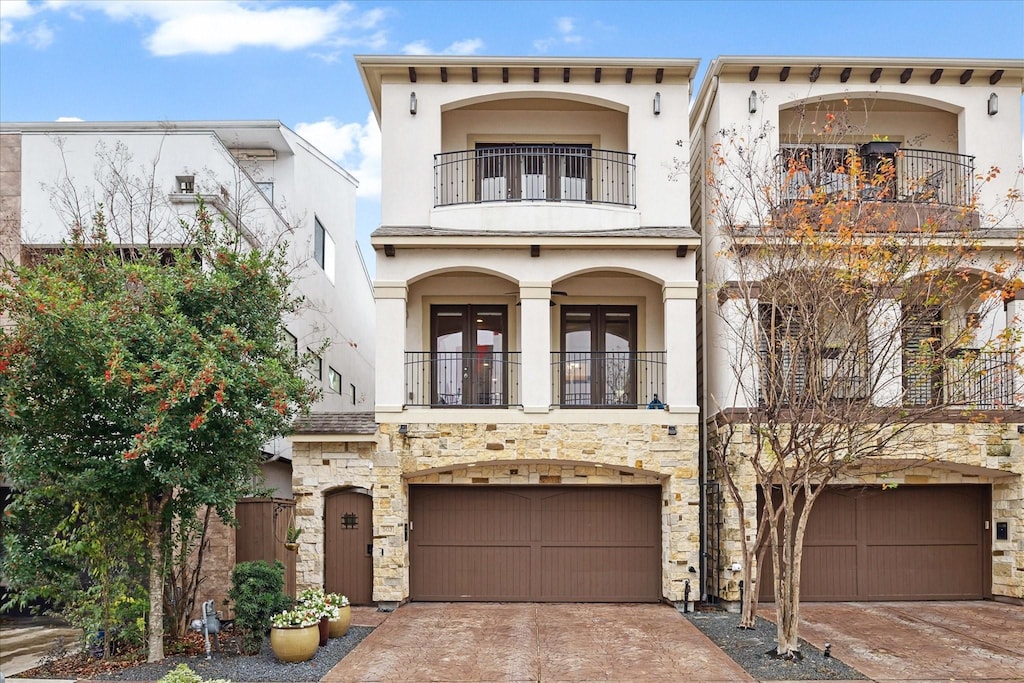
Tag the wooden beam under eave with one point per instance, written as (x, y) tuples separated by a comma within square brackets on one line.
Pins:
[(536, 74), (597, 75), (844, 75), (444, 74), (412, 74), (475, 73), (504, 74), (784, 74), (659, 75), (936, 75), (754, 70), (565, 75), (905, 76), (966, 76), (629, 75), (995, 77), (815, 74), (875, 75)]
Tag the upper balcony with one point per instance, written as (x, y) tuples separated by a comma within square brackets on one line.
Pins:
[(526, 172)]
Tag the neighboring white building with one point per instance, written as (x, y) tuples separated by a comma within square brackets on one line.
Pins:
[(264, 177), (954, 527)]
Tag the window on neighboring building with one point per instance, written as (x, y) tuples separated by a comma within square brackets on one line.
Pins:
[(352, 391), (323, 249), (292, 340), (186, 184), (334, 380), (267, 189), (315, 365)]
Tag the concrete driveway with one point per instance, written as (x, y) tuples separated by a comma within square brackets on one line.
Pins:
[(920, 641), (536, 642)]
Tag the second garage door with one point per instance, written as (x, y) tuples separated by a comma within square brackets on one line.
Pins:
[(535, 543), (904, 543)]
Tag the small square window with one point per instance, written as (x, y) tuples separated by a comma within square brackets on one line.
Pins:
[(267, 189), (186, 184), (316, 365), (334, 380), (352, 389)]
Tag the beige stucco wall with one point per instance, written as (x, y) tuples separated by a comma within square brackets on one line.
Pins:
[(566, 454), (998, 448)]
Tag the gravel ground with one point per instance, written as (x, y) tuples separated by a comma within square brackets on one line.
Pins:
[(262, 667), (748, 648)]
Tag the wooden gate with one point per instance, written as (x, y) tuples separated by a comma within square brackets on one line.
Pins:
[(348, 545), (262, 531)]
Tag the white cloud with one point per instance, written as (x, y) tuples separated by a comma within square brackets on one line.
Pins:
[(467, 46), (355, 146), (565, 28), (210, 26)]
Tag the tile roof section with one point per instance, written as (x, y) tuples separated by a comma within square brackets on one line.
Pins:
[(335, 423)]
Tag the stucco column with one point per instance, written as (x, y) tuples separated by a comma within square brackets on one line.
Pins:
[(390, 387), (885, 347), (680, 300), (535, 343), (1015, 322), (730, 350)]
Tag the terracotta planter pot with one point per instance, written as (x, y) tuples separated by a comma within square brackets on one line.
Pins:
[(339, 626), (296, 644)]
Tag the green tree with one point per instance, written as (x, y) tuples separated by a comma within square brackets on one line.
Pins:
[(142, 383)]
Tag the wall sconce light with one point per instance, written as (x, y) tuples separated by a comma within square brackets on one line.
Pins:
[(403, 429), (993, 104), (671, 430), (657, 103), (412, 103), (752, 102)]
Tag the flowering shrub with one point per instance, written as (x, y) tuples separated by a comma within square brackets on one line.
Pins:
[(315, 600), (336, 600), (295, 618)]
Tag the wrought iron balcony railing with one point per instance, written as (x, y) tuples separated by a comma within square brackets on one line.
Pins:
[(553, 173), (968, 379), (891, 173), (608, 379), (445, 379)]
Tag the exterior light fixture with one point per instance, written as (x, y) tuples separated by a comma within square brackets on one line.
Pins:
[(752, 102), (657, 103), (993, 104), (403, 429), (412, 103), (671, 430)]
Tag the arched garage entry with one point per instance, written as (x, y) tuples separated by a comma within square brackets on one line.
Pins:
[(348, 545)]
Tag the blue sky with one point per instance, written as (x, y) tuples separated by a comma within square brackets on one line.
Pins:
[(118, 60)]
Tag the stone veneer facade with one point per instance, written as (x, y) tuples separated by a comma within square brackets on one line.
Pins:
[(564, 454), (996, 447)]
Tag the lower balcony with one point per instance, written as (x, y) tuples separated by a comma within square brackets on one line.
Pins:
[(968, 379), (450, 379), (608, 379)]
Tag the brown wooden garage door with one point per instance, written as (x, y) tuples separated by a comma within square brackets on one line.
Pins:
[(905, 543), (535, 543)]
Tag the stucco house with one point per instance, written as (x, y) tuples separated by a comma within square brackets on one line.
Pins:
[(536, 396), (945, 521), (267, 180)]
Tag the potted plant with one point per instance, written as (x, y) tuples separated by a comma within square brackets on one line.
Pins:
[(292, 538), (315, 600), (339, 627), (294, 634)]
